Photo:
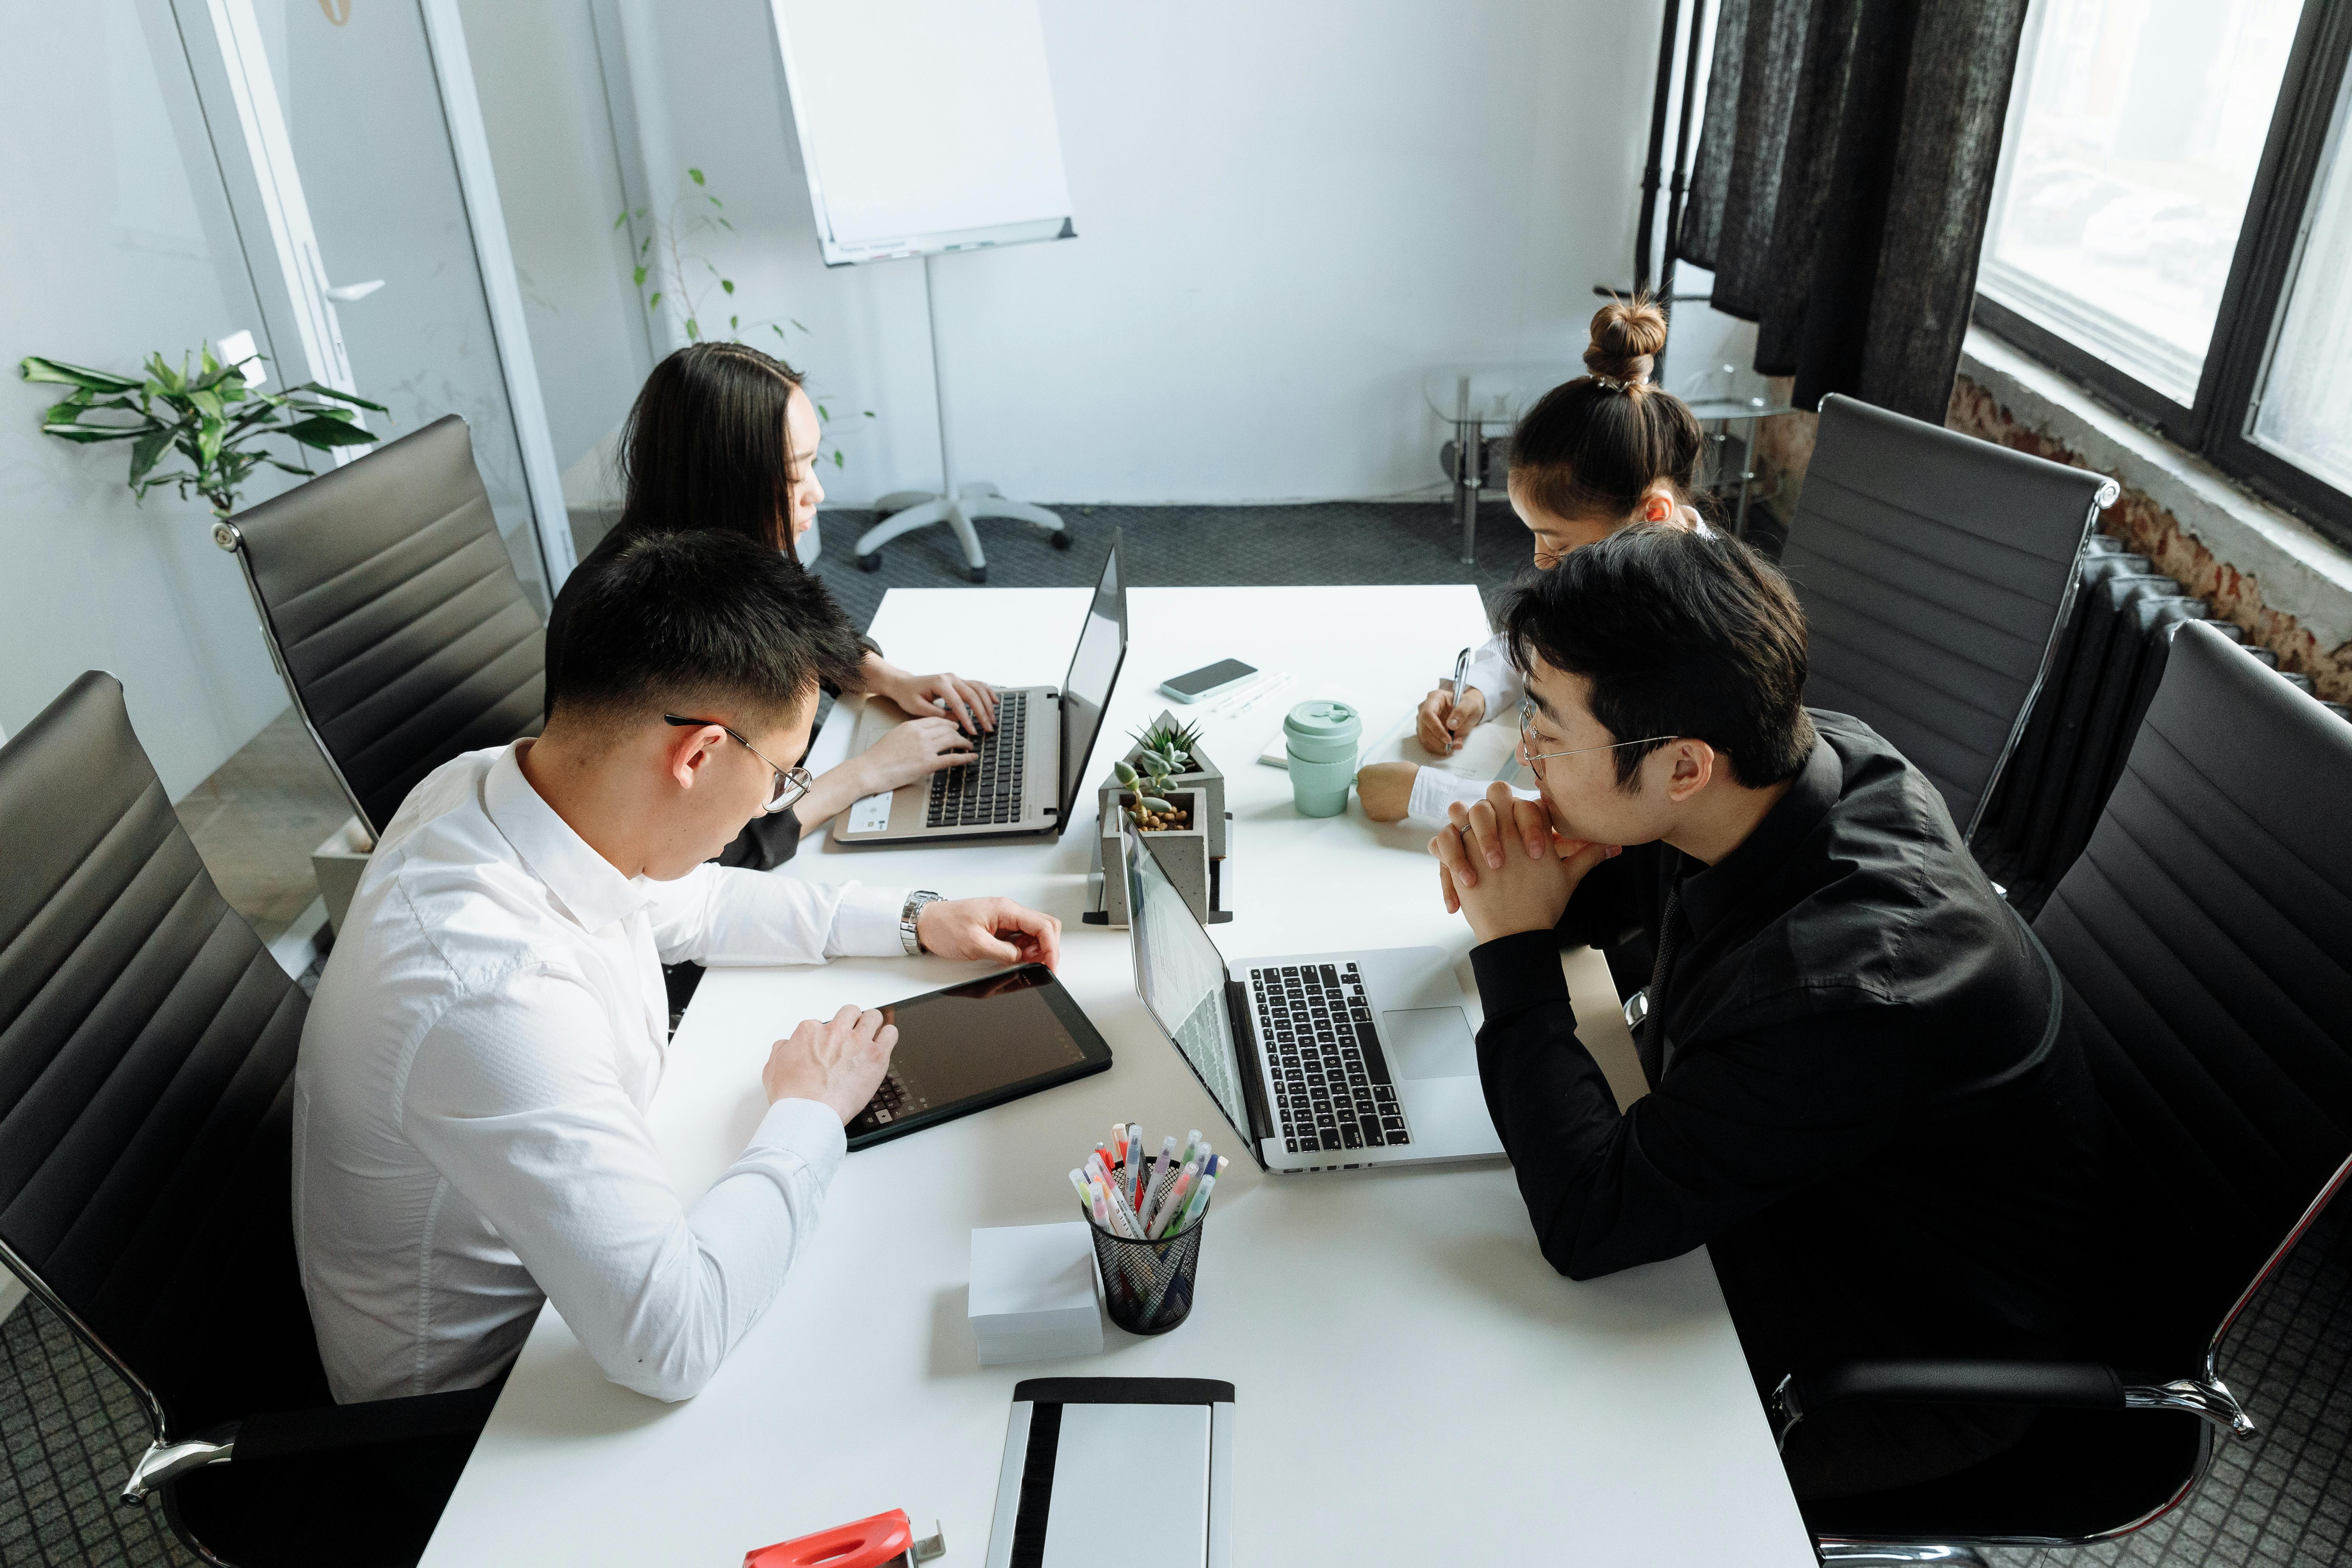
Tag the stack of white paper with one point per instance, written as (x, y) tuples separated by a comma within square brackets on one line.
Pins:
[(1032, 1293)]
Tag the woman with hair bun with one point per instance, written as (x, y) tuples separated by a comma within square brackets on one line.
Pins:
[(1594, 455)]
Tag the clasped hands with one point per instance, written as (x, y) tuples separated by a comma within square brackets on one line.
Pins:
[(1505, 868)]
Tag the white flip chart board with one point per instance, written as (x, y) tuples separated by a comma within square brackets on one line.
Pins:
[(925, 125)]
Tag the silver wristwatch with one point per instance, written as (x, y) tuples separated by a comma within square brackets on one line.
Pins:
[(907, 934)]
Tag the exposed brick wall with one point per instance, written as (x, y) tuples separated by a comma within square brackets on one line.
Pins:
[(1784, 445)]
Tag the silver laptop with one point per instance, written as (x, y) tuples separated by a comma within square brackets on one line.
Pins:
[(1030, 767), (1322, 1061)]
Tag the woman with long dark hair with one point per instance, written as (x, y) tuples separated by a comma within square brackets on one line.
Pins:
[(723, 437)]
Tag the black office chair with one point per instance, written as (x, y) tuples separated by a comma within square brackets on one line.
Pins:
[(394, 613), (2205, 937), (1936, 571), (147, 1044)]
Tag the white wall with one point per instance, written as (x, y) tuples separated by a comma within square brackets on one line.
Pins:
[(106, 257), (1286, 214)]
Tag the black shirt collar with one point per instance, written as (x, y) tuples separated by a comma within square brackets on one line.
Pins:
[(1711, 892)]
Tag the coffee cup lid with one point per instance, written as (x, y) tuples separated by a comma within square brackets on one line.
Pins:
[(1323, 720)]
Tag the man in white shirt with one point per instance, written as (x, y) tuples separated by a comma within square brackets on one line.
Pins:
[(471, 1133)]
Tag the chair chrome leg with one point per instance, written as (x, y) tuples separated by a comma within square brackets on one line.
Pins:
[(163, 1461)]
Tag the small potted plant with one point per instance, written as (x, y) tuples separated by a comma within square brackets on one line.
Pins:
[(1167, 787), (1185, 766)]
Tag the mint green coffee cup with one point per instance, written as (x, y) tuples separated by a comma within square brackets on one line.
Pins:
[(1319, 739)]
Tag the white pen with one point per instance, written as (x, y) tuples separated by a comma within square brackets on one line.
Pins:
[(1161, 1164)]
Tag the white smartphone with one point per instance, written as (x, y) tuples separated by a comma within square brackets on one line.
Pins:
[(1207, 680)]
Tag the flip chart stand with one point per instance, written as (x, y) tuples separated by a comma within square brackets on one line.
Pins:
[(903, 511)]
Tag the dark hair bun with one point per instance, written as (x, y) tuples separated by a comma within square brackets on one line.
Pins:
[(1626, 334)]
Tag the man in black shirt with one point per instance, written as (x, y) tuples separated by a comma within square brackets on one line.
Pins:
[(1861, 1101)]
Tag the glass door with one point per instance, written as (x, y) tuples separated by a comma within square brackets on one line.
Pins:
[(370, 177)]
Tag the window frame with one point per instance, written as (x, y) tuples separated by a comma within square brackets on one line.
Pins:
[(2217, 426)]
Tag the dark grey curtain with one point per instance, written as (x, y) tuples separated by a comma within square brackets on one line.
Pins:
[(1840, 189)]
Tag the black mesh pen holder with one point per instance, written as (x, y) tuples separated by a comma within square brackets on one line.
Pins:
[(1148, 1285)]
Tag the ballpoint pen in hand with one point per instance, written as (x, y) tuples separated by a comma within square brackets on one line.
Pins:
[(1461, 673)]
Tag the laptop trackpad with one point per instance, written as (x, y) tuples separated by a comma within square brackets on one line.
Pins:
[(1430, 1042)]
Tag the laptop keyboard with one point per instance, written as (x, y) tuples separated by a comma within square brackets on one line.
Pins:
[(988, 790), (1331, 1084)]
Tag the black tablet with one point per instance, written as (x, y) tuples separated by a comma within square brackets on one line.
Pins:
[(977, 1045)]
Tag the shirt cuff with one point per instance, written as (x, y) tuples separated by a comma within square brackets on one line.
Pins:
[(1519, 971), (865, 922), (807, 1129)]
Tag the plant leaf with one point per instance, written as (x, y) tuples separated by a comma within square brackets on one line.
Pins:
[(641, 278), (622, 219), (1123, 773), (839, 461), (726, 285), (655, 303), (322, 431), (87, 434), (724, 225), (353, 398), (33, 367), (823, 412), (694, 174), (1154, 804), (150, 449), (693, 331), (734, 323)]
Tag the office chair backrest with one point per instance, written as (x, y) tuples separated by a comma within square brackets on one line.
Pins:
[(1935, 570), (2205, 936), (396, 613), (147, 1044)]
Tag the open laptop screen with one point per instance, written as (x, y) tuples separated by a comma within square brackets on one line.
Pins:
[(1182, 977), (1094, 670)]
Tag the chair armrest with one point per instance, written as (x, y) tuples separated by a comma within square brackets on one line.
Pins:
[(2083, 1385), (2075, 1385), (291, 1434)]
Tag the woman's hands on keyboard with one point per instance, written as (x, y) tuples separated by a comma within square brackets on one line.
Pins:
[(970, 704), (914, 750)]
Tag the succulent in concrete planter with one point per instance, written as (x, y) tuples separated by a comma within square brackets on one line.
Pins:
[(1166, 787), (1183, 764)]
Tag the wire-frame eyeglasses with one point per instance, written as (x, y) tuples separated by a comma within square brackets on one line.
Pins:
[(791, 783), (1535, 759)]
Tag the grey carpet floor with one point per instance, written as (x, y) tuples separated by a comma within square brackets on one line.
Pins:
[(2283, 1501)]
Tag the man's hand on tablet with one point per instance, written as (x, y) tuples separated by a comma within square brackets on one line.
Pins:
[(990, 930), (838, 1064)]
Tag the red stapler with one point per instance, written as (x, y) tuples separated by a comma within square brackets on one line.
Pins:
[(886, 1540)]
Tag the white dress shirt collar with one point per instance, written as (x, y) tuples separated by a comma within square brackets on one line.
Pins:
[(589, 888)]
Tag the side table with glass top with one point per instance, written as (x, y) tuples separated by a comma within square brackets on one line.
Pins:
[(1474, 398), (1723, 413)]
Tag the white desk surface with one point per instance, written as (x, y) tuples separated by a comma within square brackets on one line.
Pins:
[(1415, 1384)]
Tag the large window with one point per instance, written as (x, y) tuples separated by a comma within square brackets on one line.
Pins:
[(2173, 226)]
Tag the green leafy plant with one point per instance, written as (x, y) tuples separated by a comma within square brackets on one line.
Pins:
[(1164, 750), (669, 259), (211, 419)]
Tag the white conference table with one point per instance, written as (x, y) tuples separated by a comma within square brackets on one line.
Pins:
[(1415, 1384)]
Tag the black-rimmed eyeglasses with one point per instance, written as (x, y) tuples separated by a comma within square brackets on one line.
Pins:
[(791, 783)]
